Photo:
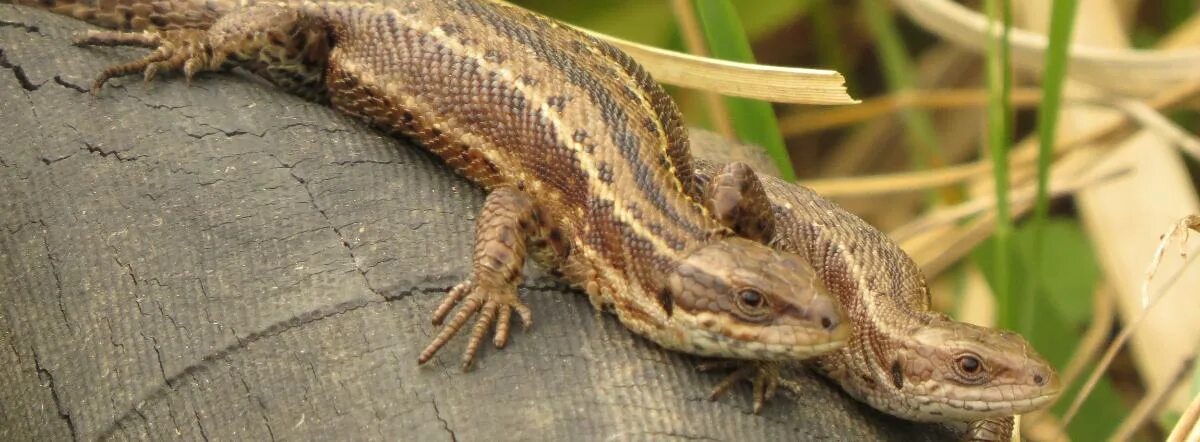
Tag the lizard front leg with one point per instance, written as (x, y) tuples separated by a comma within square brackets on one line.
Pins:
[(997, 429), (505, 224), (765, 377)]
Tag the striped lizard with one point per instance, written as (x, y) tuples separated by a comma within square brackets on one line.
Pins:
[(902, 359)]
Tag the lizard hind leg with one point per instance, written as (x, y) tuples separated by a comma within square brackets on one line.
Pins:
[(177, 49), (501, 233), (737, 199), (289, 46)]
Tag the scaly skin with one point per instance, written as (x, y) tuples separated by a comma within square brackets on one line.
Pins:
[(589, 174), (903, 358)]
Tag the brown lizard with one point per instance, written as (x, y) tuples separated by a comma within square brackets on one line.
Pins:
[(903, 358), (868, 250), (585, 157)]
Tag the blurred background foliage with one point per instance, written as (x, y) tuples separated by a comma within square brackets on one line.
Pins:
[(927, 104)]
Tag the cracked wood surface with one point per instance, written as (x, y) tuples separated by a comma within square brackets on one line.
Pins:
[(225, 261)]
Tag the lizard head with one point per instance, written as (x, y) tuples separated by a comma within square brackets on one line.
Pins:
[(959, 371), (737, 298)]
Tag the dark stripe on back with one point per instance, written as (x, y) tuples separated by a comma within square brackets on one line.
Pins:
[(610, 111), (678, 145)]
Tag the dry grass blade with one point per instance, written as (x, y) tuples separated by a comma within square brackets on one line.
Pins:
[(1152, 404), (1185, 428), (1180, 230), (799, 123), (1105, 68), (897, 182), (935, 255), (1162, 126), (938, 251), (1094, 338), (1190, 222), (763, 82), (1141, 113), (1020, 199)]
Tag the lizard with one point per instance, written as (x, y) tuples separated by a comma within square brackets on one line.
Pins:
[(903, 358), (584, 157), (806, 222)]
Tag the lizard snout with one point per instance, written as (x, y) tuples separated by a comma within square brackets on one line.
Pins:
[(828, 313)]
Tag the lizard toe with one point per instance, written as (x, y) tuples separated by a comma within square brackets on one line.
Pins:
[(487, 317), (741, 371), (183, 50), (502, 326), (452, 299), (764, 376), (495, 309)]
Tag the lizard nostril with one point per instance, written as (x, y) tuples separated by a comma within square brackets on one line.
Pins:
[(828, 322), (1039, 379)]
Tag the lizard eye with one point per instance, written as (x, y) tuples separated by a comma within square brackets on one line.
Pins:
[(752, 303), (969, 366)]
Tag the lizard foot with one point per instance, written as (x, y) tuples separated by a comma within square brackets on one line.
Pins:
[(494, 305), (173, 50), (501, 230), (766, 377), (989, 430)]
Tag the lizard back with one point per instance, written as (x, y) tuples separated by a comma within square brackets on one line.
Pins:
[(552, 116)]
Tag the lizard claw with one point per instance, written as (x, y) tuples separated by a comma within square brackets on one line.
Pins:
[(495, 307), (765, 376)]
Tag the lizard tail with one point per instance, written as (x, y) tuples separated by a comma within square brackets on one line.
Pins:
[(139, 15)]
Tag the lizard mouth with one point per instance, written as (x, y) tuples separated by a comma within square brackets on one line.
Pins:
[(822, 348), (782, 352), (942, 407), (722, 343)]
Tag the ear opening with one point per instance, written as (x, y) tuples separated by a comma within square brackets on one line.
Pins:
[(668, 304), (897, 375)]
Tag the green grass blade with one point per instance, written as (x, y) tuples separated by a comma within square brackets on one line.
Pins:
[(1062, 20), (999, 79), (753, 121), (924, 148), (1175, 12), (760, 18), (830, 49)]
